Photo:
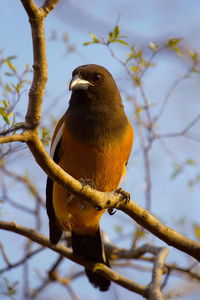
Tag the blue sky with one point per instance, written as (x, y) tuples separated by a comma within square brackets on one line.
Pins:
[(141, 21)]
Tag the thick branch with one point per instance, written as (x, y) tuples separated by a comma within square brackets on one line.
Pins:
[(163, 232), (36, 93), (30, 7), (66, 252)]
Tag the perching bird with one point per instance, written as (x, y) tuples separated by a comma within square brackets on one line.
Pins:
[(93, 140)]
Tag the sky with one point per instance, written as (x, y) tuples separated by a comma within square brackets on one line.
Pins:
[(141, 22)]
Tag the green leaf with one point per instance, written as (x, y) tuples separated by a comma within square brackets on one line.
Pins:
[(177, 50), (139, 233), (177, 170), (8, 88), (191, 162), (94, 37), (139, 54), (131, 56), (5, 103), (4, 115), (134, 68), (173, 41), (17, 87), (153, 46), (138, 111), (116, 31), (196, 228), (11, 57), (95, 40), (194, 56), (45, 136), (121, 42), (87, 43), (11, 287), (27, 68), (10, 65)]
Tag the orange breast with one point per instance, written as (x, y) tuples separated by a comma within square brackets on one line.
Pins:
[(103, 166)]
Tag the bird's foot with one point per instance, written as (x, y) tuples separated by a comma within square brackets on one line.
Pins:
[(111, 211), (85, 182), (125, 196)]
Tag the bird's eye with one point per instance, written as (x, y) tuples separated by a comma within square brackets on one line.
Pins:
[(96, 77)]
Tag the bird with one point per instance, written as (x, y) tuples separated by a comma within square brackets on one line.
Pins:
[(91, 142)]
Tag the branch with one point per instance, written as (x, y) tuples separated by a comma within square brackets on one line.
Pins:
[(101, 200), (28, 183), (12, 138), (66, 252), (9, 130), (169, 93), (154, 288), (160, 254), (30, 7), (163, 232), (182, 132), (36, 93), (48, 6), (21, 261)]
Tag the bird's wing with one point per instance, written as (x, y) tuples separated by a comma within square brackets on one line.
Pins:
[(54, 230)]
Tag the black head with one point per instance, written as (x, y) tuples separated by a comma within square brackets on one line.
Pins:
[(95, 82)]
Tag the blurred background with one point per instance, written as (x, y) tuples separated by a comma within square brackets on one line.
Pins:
[(163, 172)]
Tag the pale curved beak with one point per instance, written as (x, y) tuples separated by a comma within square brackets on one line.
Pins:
[(78, 83)]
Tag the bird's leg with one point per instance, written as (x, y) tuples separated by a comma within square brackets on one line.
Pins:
[(85, 182)]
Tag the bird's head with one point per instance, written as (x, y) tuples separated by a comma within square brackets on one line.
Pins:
[(95, 81)]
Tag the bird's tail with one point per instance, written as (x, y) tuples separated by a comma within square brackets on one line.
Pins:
[(90, 246)]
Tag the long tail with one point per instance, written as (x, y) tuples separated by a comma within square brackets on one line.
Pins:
[(90, 246)]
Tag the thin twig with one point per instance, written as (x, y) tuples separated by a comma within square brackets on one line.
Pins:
[(21, 261), (182, 132)]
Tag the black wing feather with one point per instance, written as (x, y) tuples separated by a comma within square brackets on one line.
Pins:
[(54, 231)]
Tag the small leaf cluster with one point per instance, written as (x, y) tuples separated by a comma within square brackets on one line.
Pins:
[(172, 43), (137, 61), (5, 111), (12, 84), (113, 37), (179, 168), (45, 135), (10, 288), (137, 64)]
